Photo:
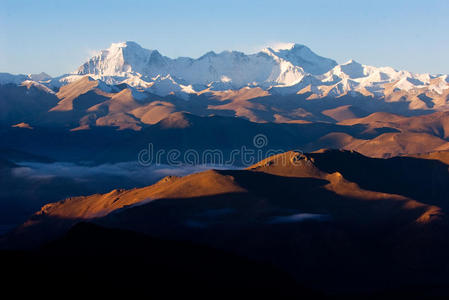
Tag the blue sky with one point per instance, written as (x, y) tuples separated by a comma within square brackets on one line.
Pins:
[(57, 36)]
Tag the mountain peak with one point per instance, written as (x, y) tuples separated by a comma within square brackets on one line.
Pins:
[(297, 46), (283, 46), (284, 66), (288, 67), (351, 69), (208, 54), (42, 76), (120, 59), (126, 44), (301, 55), (351, 62)]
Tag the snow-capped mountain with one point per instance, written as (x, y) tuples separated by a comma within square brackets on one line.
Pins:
[(18, 79), (300, 55), (353, 76), (267, 68), (291, 69)]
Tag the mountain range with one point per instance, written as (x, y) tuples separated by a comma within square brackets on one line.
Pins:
[(344, 192), (292, 69), (127, 87)]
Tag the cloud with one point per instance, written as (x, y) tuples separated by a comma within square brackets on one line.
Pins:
[(93, 53), (299, 218), (134, 170)]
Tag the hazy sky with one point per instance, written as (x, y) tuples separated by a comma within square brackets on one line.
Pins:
[(57, 36)]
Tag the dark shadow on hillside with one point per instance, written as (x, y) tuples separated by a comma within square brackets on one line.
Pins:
[(316, 106), (268, 196), (426, 181), (107, 144)]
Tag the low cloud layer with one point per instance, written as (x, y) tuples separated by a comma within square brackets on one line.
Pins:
[(299, 218), (34, 184), (130, 170)]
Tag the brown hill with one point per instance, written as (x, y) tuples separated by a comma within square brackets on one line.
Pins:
[(442, 156), (270, 185), (377, 118), (436, 124), (79, 104), (290, 122), (312, 215), (344, 112), (414, 135), (24, 104), (394, 144), (70, 93)]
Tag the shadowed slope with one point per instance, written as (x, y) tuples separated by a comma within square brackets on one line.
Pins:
[(328, 183), (24, 103), (296, 123), (333, 219), (69, 93), (344, 112), (421, 179), (419, 134)]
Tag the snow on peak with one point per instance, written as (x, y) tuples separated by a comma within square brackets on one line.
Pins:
[(301, 56), (124, 45), (282, 46), (42, 76), (120, 59), (117, 45), (127, 59), (6, 78), (282, 68), (350, 69)]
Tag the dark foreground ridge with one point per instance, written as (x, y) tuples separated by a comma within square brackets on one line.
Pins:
[(97, 261), (331, 222), (109, 261)]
